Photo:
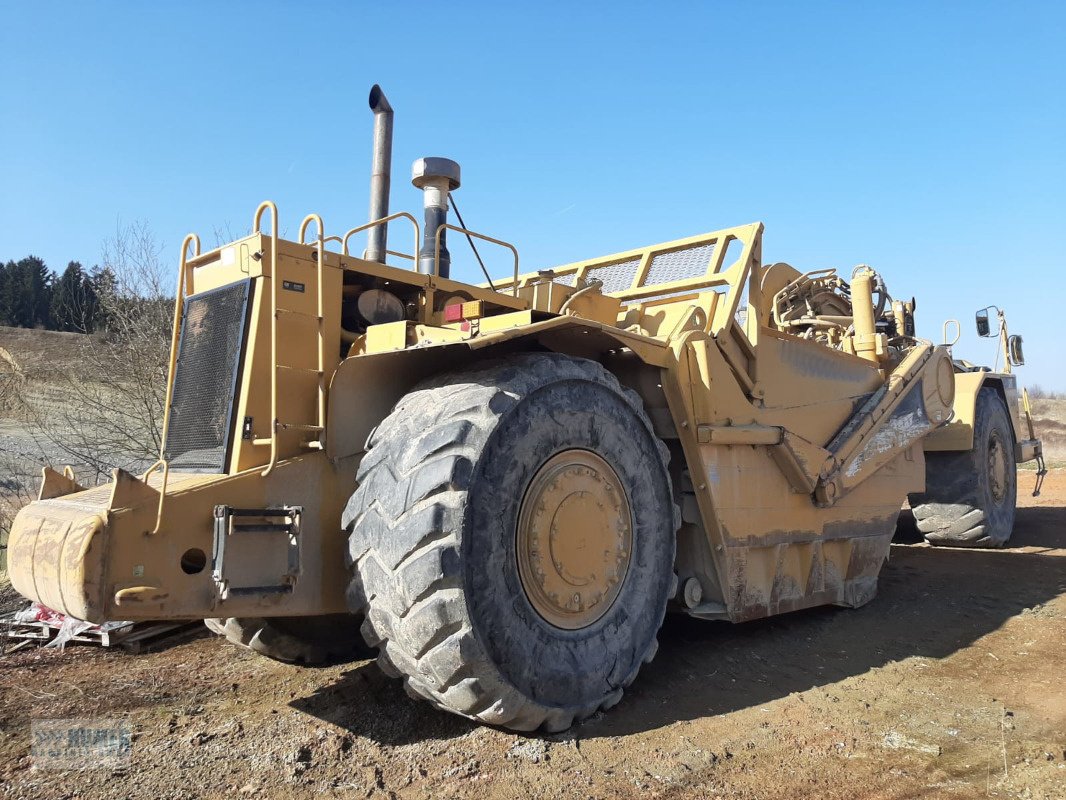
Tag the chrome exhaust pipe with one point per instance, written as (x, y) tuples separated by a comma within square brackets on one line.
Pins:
[(380, 175)]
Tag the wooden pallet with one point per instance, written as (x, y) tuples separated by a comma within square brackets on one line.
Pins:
[(133, 637)]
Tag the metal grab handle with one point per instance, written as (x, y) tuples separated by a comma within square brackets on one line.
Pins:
[(162, 489), (179, 305), (382, 221), (307, 221), (258, 218), (484, 238), (175, 333), (274, 283), (320, 249)]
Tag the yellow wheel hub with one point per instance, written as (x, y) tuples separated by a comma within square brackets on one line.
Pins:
[(574, 539)]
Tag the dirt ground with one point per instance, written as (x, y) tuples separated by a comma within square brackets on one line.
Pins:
[(949, 684)]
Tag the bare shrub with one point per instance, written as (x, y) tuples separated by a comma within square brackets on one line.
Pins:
[(1038, 392), (108, 412), (20, 471), (12, 380)]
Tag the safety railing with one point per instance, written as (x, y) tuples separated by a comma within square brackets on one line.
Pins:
[(175, 335), (274, 292), (385, 221), (482, 237), (719, 261), (320, 263)]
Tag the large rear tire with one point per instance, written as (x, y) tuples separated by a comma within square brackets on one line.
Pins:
[(483, 496), (970, 496)]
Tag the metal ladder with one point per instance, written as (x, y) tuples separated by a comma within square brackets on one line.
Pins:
[(277, 425)]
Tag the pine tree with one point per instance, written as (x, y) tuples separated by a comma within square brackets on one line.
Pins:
[(17, 300), (104, 287), (28, 293), (6, 272), (90, 303), (68, 307), (39, 280)]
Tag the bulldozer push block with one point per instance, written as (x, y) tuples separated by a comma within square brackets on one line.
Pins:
[(503, 488)]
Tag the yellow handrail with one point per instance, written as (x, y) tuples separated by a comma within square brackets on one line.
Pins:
[(175, 334), (483, 237), (162, 489), (383, 221), (320, 246), (307, 221), (274, 283)]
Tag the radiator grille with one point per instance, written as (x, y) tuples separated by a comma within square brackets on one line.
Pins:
[(615, 277), (676, 265), (205, 378)]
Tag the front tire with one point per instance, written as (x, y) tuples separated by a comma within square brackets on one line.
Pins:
[(295, 640), (970, 496), (513, 537)]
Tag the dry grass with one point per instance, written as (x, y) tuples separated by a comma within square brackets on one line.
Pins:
[(42, 353), (32, 365), (1049, 420)]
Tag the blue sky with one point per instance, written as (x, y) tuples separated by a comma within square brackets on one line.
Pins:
[(926, 139)]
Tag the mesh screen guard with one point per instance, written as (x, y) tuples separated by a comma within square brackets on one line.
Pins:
[(213, 327)]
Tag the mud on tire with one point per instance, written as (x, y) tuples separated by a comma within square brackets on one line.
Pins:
[(296, 640), (433, 541), (969, 501)]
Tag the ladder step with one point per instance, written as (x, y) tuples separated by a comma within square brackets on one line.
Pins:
[(296, 313), (300, 369), (299, 426)]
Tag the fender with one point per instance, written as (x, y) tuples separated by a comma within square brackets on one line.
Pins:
[(957, 435), (366, 387)]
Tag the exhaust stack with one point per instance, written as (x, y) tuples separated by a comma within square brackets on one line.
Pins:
[(380, 174), (436, 177)]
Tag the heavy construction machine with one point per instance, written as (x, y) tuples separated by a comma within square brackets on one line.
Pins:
[(506, 485), (971, 478)]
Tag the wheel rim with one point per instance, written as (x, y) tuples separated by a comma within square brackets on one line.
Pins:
[(998, 468), (574, 540)]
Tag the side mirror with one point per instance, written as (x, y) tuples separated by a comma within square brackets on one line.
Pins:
[(1014, 350), (983, 328)]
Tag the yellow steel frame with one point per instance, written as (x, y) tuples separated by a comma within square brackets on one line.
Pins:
[(716, 275)]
